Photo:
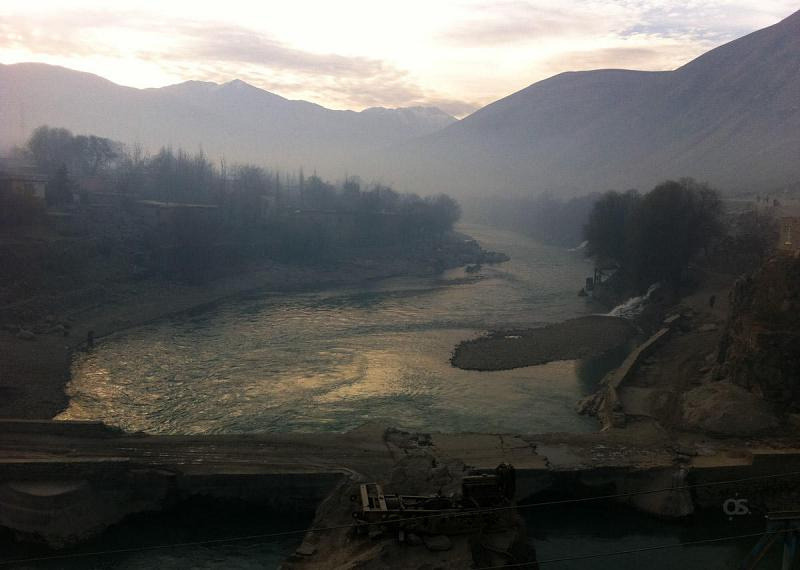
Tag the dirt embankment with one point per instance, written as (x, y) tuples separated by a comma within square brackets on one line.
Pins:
[(574, 339)]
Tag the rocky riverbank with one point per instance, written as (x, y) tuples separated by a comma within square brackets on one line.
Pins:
[(720, 365)]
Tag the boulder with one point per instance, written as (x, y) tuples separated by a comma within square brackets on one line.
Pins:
[(437, 543), (726, 409)]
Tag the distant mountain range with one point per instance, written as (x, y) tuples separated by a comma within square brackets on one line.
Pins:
[(235, 119), (731, 117)]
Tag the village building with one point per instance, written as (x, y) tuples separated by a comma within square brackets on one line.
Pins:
[(93, 192), (788, 216), (789, 234), (23, 180)]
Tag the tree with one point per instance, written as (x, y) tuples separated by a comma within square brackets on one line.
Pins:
[(59, 188), (93, 153), (653, 237), (351, 193), (675, 220), (51, 148), (445, 212), (83, 155), (607, 230), (249, 186), (129, 175), (318, 194)]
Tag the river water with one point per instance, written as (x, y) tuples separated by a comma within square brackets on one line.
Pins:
[(330, 360), (333, 359)]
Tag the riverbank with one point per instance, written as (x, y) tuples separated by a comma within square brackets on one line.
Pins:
[(573, 339), (40, 332)]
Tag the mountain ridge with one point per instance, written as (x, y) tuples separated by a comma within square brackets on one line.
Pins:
[(234, 119), (730, 116), (714, 118)]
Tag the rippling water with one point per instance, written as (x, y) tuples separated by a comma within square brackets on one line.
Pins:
[(333, 359)]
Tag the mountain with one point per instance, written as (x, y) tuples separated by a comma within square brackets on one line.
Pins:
[(731, 117), (235, 119)]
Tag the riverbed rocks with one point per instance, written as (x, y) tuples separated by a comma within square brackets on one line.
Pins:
[(437, 543), (571, 340)]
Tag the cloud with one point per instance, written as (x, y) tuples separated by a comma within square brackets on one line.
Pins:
[(235, 44), (666, 56), (505, 22), (714, 21), (220, 52), (47, 41), (514, 21), (517, 41)]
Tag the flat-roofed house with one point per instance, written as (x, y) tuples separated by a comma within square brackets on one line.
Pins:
[(23, 180)]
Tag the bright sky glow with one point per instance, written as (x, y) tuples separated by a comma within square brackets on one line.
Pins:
[(455, 54)]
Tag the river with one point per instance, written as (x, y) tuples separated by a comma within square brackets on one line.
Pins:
[(332, 359)]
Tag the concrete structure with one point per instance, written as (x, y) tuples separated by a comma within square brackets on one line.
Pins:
[(94, 192), (63, 482), (23, 181), (789, 234), (787, 213)]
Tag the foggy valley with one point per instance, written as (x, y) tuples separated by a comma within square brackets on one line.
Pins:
[(458, 285)]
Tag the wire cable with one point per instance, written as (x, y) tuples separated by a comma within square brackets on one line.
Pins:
[(639, 550), (402, 520)]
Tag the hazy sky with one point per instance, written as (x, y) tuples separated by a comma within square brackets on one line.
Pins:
[(457, 54)]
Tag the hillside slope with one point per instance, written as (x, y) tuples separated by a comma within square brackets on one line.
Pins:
[(731, 116)]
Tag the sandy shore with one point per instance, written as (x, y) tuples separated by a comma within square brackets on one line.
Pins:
[(573, 339)]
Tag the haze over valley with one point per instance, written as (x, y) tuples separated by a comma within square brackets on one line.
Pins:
[(730, 117), (319, 285)]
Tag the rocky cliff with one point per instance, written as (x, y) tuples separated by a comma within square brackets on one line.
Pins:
[(760, 350)]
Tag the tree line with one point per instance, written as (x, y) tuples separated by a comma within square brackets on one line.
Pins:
[(246, 193), (652, 237), (239, 211)]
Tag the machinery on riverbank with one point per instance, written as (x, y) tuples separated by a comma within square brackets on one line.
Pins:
[(483, 500)]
